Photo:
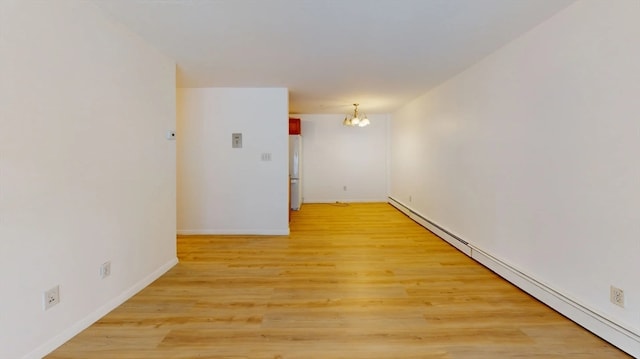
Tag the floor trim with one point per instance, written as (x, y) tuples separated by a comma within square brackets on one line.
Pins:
[(597, 323), (87, 321), (244, 232)]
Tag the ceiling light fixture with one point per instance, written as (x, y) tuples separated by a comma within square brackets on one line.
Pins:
[(356, 119)]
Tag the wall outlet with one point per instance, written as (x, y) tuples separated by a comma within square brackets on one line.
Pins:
[(344, 188), (617, 296), (236, 140), (51, 297), (105, 270)]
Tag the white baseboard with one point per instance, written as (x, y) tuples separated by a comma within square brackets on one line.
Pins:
[(344, 200), (590, 319), (84, 323), (623, 338), (462, 246), (232, 232)]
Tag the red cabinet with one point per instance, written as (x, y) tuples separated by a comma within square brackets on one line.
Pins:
[(294, 126)]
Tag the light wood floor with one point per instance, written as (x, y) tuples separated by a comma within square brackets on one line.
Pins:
[(352, 281)]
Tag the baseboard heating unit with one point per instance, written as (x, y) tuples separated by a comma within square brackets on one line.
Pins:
[(618, 335)]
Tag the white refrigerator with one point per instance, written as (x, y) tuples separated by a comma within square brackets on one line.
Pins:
[(295, 169)]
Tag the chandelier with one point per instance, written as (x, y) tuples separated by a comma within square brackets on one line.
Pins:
[(356, 119)]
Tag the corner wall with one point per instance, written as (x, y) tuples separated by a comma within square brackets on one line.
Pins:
[(531, 157), (225, 190), (86, 174), (335, 157)]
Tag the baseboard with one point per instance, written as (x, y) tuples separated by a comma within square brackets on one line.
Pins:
[(618, 335), (453, 240), (345, 200), (213, 232), (590, 319), (84, 323)]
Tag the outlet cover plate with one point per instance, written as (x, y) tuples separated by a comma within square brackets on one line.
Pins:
[(236, 140), (51, 297), (105, 270), (617, 296)]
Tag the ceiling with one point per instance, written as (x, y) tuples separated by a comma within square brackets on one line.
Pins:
[(329, 53)]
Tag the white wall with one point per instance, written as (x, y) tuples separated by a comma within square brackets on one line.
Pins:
[(335, 156), (225, 190), (86, 175), (531, 156)]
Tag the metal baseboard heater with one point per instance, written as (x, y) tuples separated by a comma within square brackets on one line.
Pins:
[(624, 338)]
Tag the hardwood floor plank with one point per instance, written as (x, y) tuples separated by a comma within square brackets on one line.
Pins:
[(351, 281)]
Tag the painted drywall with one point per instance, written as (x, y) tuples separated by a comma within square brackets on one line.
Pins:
[(225, 190), (86, 174), (335, 157), (531, 155)]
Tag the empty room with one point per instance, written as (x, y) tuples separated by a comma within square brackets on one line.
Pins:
[(319, 179)]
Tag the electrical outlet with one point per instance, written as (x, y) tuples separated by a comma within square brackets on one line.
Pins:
[(105, 270), (344, 188), (236, 140), (51, 297), (617, 296)]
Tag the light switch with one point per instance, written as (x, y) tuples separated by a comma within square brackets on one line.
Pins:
[(236, 140)]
